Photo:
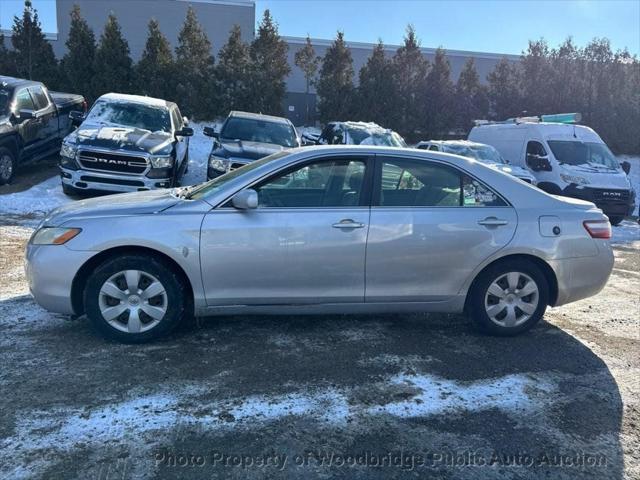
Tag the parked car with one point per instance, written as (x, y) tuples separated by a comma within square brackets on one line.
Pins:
[(323, 230), (245, 137), (125, 143), (481, 152), (566, 159), (33, 122), (359, 133)]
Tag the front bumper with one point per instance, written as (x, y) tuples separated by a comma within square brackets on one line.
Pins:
[(231, 164), (613, 202), (110, 182), (583, 277), (50, 270)]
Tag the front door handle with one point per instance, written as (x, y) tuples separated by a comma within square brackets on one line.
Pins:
[(492, 222), (347, 223)]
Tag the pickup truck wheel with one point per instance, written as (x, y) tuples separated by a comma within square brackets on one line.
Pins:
[(508, 298), (8, 165), (134, 298), (616, 220)]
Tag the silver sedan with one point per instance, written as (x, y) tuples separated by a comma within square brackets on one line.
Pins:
[(323, 230)]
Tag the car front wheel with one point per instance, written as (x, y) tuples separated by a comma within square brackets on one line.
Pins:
[(134, 298), (509, 298), (7, 165)]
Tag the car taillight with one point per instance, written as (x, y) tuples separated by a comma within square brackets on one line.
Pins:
[(598, 228)]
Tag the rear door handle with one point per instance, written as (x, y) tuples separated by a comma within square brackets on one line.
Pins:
[(493, 222), (347, 223)]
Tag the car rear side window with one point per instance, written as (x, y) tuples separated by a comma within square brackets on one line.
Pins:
[(328, 183), (417, 183)]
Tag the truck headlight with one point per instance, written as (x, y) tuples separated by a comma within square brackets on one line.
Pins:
[(574, 179), (54, 235), (68, 150), (218, 163), (161, 162)]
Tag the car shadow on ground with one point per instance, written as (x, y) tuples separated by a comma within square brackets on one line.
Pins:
[(333, 395)]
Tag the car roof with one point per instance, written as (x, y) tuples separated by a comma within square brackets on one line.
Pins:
[(156, 102), (16, 82), (258, 116), (462, 143), (368, 126)]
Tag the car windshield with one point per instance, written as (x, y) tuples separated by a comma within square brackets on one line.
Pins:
[(214, 185), (361, 136), (583, 153), (487, 154), (256, 130), (5, 95), (130, 114)]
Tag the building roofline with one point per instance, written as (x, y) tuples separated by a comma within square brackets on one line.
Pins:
[(393, 48), (235, 3), (47, 36)]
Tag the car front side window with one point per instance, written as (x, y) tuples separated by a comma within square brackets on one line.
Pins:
[(326, 183)]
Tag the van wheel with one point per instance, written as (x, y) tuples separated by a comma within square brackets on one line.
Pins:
[(8, 165), (508, 298), (616, 220), (134, 298)]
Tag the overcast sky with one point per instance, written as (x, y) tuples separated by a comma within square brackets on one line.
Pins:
[(476, 25)]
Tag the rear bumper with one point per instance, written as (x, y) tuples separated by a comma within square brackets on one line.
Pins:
[(583, 277), (613, 202), (110, 182)]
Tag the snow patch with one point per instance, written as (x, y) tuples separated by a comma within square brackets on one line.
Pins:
[(627, 232), (38, 200)]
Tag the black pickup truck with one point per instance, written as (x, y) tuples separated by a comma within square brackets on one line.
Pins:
[(33, 122)]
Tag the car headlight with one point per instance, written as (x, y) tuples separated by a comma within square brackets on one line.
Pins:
[(574, 179), (161, 162), (218, 163), (54, 235), (68, 150)]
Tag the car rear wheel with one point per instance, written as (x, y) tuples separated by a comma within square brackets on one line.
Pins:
[(134, 298), (509, 298), (8, 165)]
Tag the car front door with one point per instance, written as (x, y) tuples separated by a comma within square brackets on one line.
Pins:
[(304, 244), (182, 143), (431, 226)]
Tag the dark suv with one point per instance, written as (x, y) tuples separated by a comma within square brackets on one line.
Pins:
[(245, 137)]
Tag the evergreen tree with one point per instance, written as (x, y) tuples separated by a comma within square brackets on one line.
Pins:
[(376, 87), (471, 100), (194, 62), (76, 67), (32, 53), (307, 61), (7, 63), (410, 70), (565, 85), (270, 67), (155, 70), (335, 85), (233, 74), (439, 97), (504, 92), (534, 81), (112, 66)]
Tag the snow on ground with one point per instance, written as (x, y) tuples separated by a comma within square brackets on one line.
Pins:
[(38, 200), (634, 176)]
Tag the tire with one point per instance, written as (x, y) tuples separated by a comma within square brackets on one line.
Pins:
[(8, 165), (616, 220), (155, 316), (484, 305)]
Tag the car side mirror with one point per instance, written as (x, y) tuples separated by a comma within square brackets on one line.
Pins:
[(185, 132), (76, 117), (626, 167), (538, 163), (210, 132), (185, 120), (245, 200), (25, 115)]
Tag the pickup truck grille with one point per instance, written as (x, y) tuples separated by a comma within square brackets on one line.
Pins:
[(112, 162), (601, 195)]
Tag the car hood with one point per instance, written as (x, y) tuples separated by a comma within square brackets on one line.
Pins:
[(245, 150), (114, 137), (135, 203)]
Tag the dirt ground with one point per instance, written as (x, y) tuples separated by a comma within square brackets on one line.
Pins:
[(376, 397)]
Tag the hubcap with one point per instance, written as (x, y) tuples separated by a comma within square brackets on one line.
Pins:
[(6, 167), (511, 299), (133, 301)]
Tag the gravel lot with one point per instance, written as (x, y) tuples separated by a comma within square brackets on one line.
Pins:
[(379, 396)]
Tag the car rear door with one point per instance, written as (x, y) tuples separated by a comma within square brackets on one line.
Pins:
[(304, 244), (431, 226), (47, 115), (27, 128)]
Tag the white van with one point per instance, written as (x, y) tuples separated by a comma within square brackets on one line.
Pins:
[(566, 159)]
